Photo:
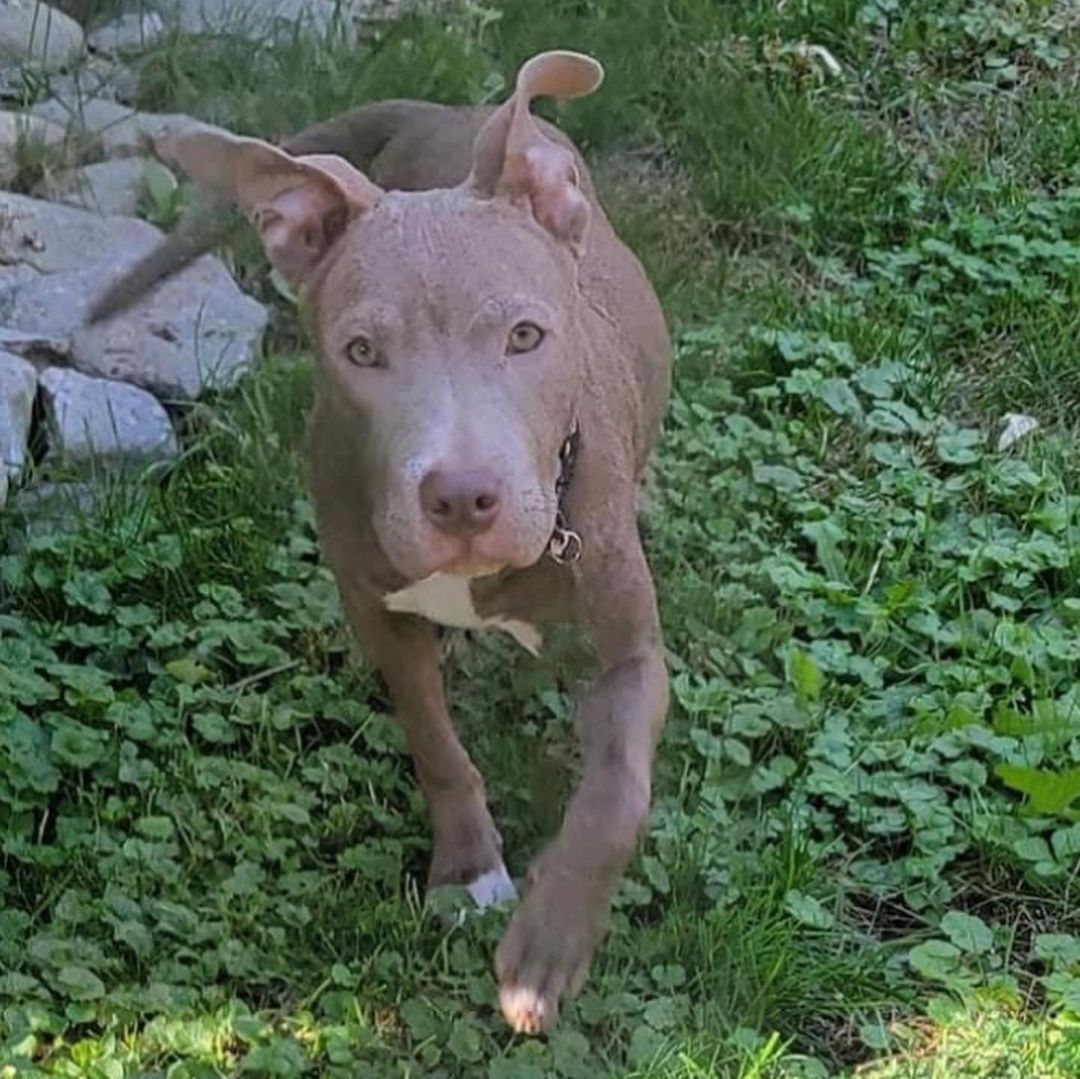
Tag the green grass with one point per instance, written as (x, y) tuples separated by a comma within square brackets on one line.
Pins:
[(863, 852)]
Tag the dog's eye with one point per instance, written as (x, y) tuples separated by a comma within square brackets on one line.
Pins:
[(362, 353), (524, 337)]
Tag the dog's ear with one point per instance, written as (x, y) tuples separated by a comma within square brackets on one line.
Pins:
[(514, 159), (300, 205)]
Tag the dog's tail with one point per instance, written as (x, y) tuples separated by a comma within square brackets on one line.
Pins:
[(358, 136), (201, 227)]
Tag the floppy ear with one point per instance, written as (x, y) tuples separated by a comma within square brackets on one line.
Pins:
[(514, 159), (300, 205)]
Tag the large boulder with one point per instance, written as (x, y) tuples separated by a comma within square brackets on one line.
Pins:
[(48, 238), (96, 76), (119, 130), (33, 32), (96, 420), (108, 187), (42, 349), (81, 113), (196, 331), (18, 388)]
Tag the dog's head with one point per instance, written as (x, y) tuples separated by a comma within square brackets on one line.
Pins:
[(445, 321)]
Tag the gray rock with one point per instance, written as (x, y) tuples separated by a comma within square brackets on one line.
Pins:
[(18, 388), (89, 119), (96, 76), (121, 131), (12, 278), (40, 349), (96, 420), (21, 134), (49, 238), (129, 33), (109, 187), (256, 19), (81, 112), (196, 331), (33, 32), (138, 131), (3, 487)]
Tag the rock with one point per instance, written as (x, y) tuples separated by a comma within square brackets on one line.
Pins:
[(49, 238), (124, 84), (131, 32), (90, 119), (194, 332), (96, 77), (25, 135), (121, 131), (33, 31), (18, 388), (12, 278), (257, 21), (3, 487), (133, 135), (77, 112), (94, 419), (197, 330), (109, 187), (36, 347)]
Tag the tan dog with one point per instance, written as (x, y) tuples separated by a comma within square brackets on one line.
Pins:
[(494, 367)]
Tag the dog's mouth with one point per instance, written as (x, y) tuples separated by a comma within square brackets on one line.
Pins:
[(472, 567), (479, 556)]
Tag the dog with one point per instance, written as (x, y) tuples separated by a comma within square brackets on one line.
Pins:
[(493, 370)]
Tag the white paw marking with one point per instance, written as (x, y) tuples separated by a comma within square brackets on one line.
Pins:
[(447, 599), (524, 1008), (494, 886)]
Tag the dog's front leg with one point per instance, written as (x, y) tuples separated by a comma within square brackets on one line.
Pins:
[(405, 650), (547, 948)]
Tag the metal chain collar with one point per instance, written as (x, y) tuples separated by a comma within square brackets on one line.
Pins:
[(565, 544)]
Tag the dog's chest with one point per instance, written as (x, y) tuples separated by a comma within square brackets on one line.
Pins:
[(447, 599)]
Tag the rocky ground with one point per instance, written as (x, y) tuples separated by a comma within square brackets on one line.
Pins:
[(76, 183)]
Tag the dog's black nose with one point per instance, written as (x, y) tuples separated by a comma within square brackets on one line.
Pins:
[(461, 503)]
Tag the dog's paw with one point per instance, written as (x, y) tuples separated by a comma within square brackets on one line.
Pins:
[(526, 1010), (544, 956), (492, 887)]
